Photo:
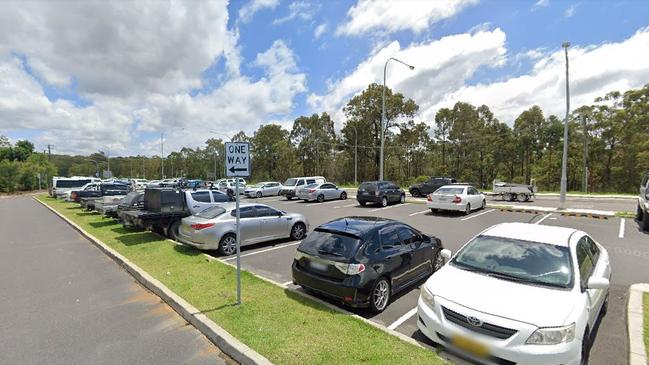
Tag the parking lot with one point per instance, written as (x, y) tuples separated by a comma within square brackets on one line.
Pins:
[(627, 245)]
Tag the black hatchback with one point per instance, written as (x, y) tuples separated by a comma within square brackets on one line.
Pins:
[(363, 261), (380, 192)]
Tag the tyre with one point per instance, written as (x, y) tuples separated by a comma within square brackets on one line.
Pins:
[(415, 193), (362, 203), (320, 198), (507, 197), (298, 231), (645, 221), (522, 198), (172, 231), (258, 194), (433, 210), (343, 196), (638, 213), (439, 262), (484, 204), (380, 296), (228, 244), (467, 209), (288, 197), (585, 348), (384, 202), (402, 199)]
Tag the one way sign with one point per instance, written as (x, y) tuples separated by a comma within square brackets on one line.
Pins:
[(237, 159)]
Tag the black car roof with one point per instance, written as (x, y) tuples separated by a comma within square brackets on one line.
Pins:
[(357, 226)]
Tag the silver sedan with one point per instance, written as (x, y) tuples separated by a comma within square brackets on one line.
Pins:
[(321, 192), (215, 228)]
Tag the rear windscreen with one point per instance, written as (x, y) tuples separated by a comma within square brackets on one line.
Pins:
[(211, 212), (455, 191), (368, 186), (71, 183), (331, 245)]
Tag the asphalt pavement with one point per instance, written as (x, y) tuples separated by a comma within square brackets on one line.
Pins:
[(62, 301), (628, 248)]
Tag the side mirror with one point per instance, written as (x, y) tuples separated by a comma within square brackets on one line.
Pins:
[(646, 196), (446, 254), (597, 283)]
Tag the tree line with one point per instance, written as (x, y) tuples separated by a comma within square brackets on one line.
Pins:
[(609, 139)]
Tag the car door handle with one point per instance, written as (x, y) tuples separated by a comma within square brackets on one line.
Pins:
[(196, 206)]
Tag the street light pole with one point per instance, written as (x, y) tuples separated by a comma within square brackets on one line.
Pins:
[(162, 156), (385, 67), (355, 156), (564, 162)]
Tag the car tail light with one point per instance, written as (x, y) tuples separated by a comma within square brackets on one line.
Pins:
[(429, 198), (199, 226), (348, 299), (457, 199), (311, 190), (73, 195), (350, 269)]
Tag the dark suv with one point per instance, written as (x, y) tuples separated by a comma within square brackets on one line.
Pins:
[(380, 192), (428, 187), (363, 261), (643, 203)]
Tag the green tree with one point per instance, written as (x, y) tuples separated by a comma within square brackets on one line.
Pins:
[(314, 138)]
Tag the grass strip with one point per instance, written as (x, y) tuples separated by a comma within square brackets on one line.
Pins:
[(283, 326), (645, 321)]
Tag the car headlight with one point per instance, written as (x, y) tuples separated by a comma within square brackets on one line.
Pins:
[(552, 335), (427, 297)]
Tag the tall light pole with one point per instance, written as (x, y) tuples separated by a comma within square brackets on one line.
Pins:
[(222, 136), (385, 67), (564, 162), (162, 156), (355, 156)]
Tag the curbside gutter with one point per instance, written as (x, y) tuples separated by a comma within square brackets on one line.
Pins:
[(635, 314), (227, 343)]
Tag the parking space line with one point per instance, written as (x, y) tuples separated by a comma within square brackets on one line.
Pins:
[(417, 213), (402, 319), (262, 251), (390, 207), (542, 219), (621, 232), (477, 215), (345, 206)]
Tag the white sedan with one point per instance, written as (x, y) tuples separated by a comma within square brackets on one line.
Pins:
[(462, 198), (520, 293)]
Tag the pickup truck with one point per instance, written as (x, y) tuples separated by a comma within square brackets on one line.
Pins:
[(165, 207), (643, 203), (132, 201), (87, 198), (107, 205)]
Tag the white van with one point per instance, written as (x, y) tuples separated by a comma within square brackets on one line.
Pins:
[(61, 185), (290, 186)]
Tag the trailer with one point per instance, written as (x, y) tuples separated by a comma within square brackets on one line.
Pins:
[(514, 192)]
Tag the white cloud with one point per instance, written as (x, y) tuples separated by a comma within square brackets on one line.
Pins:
[(249, 9), (391, 16), (540, 4), (319, 30), (570, 11), (441, 67), (594, 71), (298, 9)]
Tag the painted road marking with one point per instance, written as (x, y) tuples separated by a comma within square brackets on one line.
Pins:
[(403, 318), (477, 215), (422, 212), (389, 207), (345, 206), (542, 219), (262, 251), (621, 232)]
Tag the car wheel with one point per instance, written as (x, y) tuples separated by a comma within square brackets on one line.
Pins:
[(362, 203), (415, 193), (343, 196), (522, 198), (467, 210), (604, 309), (258, 194), (484, 204), (228, 245), (402, 199), (298, 231), (433, 210), (320, 198), (585, 348), (384, 202), (288, 197), (508, 197), (638, 213), (380, 295), (645, 221), (172, 231), (439, 262)]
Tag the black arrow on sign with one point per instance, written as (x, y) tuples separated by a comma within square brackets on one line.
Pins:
[(232, 169)]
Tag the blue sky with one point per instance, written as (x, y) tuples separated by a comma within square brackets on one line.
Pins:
[(99, 76)]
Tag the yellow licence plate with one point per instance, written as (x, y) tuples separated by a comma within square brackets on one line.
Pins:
[(470, 346)]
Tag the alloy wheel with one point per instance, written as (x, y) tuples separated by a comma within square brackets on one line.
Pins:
[(403, 198), (343, 195), (228, 245), (439, 262), (381, 295), (384, 202), (467, 210), (298, 230), (258, 194)]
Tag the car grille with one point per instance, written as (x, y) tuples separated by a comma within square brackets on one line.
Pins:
[(485, 329)]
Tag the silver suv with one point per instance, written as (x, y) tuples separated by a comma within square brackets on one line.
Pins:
[(643, 203)]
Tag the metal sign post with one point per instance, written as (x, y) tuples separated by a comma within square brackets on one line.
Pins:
[(237, 164)]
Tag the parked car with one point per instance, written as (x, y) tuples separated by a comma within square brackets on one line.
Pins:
[(643, 203), (139, 184), (266, 188), (380, 192), (132, 201), (229, 186), (364, 261), (69, 196), (62, 185), (461, 198), (290, 186), (215, 228), (321, 192), (519, 293), (429, 186)]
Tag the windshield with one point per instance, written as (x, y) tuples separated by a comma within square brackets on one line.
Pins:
[(211, 212), (290, 182), (454, 191), (517, 260), (332, 245)]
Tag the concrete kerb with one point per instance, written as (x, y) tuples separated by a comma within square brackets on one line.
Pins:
[(589, 213), (635, 318), (227, 343)]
